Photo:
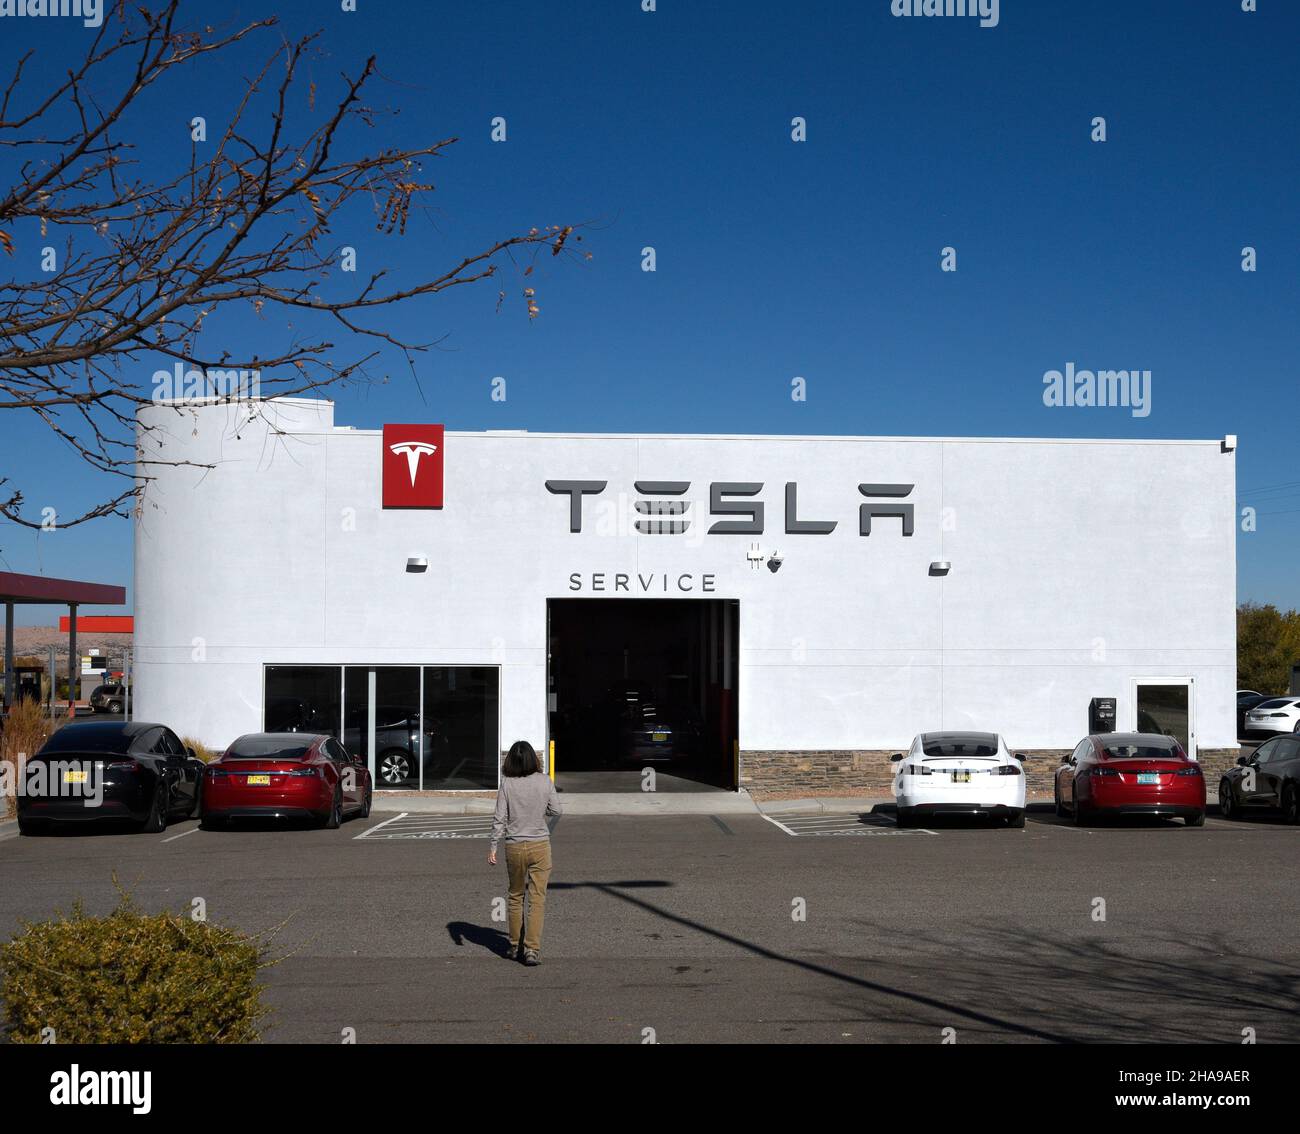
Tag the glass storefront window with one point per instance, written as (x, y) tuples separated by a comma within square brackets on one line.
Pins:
[(303, 698), (460, 724), (356, 711), (449, 739)]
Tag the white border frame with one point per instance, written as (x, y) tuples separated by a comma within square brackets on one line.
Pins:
[(1182, 679)]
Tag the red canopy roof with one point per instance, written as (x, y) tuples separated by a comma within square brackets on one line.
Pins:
[(40, 589)]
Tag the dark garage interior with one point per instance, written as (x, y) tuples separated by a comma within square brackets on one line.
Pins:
[(637, 683)]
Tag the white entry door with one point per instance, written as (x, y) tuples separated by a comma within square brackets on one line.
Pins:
[(1166, 705)]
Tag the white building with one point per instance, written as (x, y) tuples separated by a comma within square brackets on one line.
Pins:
[(820, 634)]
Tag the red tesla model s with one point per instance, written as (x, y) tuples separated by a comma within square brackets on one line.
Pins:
[(285, 775), (1130, 773)]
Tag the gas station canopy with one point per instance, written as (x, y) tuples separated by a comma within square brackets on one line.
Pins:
[(37, 590), (32, 590)]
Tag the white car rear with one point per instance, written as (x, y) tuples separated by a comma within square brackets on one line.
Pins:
[(959, 773), (1281, 714)]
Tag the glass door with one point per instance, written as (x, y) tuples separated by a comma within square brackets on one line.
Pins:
[(382, 722), (1165, 706)]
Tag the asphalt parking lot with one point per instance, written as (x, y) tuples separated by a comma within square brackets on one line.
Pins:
[(689, 925)]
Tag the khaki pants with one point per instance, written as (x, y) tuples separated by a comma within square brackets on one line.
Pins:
[(528, 865)]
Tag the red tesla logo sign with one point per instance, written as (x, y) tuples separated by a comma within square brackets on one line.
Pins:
[(413, 466)]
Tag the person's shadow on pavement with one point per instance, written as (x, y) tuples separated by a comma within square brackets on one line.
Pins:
[(494, 940)]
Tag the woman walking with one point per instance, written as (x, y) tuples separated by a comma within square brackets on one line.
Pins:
[(524, 799)]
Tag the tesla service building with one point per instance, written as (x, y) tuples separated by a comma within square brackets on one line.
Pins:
[(793, 609)]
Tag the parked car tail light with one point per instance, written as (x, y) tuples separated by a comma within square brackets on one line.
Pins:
[(123, 765), (1101, 770), (299, 772), (916, 770), (1194, 770), (1008, 770)]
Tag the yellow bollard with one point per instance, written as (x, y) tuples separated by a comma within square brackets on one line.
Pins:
[(550, 759)]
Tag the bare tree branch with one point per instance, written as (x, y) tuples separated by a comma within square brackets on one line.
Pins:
[(243, 226)]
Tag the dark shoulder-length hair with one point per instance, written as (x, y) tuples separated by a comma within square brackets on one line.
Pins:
[(521, 760)]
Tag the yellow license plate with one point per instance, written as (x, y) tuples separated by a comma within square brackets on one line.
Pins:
[(74, 777), (658, 737), (961, 777), (261, 781)]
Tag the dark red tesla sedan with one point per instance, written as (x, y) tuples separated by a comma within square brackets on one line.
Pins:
[(1130, 773), (285, 775)]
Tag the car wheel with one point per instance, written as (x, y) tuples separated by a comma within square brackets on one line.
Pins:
[(196, 804), (904, 817), (395, 767), (1290, 804), (211, 822), (367, 801), (1056, 798), (1075, 809), (1017, 822), (157, 821), (28, 826), (1227, 802), (115, 706), (335, 816), (1197, 820)]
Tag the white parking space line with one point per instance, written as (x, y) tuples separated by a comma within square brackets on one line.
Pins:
[(376, 827), (173, 838), (846, 824), (1052, 820), (781, 825), (1212, 823), (812, 826), (440, 823), (1254, 824), (412, 826)]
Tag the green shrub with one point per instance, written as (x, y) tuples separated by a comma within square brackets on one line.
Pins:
[(131, 978)]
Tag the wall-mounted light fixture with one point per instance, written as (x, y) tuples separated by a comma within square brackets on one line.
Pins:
[(1230, 443), (417, 563), (940, 567)]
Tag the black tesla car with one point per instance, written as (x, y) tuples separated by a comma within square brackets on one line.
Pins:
[(1267, 781), (93, 770), (1248, 699), (641, 732)]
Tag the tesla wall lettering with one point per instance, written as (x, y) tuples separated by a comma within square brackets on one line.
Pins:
[(662, 511)]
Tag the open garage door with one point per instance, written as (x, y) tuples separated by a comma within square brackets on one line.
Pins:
[(643, 683)]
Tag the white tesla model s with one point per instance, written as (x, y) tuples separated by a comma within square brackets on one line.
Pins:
[(959, 773), (1280, 714)]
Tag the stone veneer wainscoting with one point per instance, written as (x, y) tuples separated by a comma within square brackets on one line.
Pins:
[(835, 773)]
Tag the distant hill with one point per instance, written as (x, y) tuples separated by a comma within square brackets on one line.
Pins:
[(35, 641)]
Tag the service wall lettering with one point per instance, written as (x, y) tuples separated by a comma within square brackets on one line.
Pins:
[(627, 582)]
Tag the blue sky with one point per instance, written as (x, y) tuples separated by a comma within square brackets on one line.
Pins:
[(818, 259)]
